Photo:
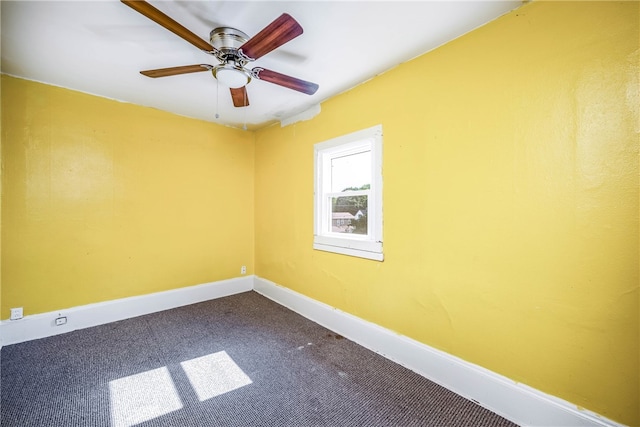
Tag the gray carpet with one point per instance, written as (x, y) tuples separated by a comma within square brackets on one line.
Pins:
[(242, 360)]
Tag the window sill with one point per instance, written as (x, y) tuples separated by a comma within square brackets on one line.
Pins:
[(346, 249)]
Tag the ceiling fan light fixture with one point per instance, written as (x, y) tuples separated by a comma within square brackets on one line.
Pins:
[(231, 76)]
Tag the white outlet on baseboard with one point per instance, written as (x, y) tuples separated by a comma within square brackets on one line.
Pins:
[(16, 313), (61, 320), (243, 269)]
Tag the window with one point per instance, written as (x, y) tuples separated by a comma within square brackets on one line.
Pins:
[(348, 194)]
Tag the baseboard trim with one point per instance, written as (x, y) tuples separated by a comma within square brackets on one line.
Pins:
[(517, 402), (43, 325)]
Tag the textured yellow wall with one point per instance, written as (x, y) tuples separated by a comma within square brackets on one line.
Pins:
[(510, 202), (104, 200)]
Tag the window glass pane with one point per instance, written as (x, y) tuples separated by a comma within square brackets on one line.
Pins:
[(350, 172), (349, 214)]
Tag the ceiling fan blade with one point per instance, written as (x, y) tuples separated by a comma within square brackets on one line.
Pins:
[(239, 96), (280, 31), (172, 71), (284, 80), (160, 18)]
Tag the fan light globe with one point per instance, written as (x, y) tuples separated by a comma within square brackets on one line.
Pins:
[(231, 77)]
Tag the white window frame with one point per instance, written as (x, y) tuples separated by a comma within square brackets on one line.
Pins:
[(364, 246)]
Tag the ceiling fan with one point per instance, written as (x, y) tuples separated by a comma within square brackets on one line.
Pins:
[(234, 50)]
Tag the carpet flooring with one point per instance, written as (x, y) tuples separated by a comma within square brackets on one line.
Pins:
[(241, 360)]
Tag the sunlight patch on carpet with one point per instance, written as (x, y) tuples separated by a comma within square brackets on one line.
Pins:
[(142, 397), (214, 374)]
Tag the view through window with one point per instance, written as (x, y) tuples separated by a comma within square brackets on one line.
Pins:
[(350, 188)]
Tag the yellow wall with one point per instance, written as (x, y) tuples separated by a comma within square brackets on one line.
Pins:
[(510, 202), (104, 200)]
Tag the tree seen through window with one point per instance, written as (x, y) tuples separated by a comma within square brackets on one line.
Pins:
[(350, 211)]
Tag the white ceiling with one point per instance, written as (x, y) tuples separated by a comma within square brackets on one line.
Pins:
[(99, 47)]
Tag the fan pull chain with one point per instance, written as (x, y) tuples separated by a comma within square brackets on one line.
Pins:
[(217, 98), (244, 119)]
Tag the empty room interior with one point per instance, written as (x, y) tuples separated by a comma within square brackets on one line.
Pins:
[(500, 260)]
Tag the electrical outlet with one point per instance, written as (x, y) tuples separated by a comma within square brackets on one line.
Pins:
[(16, 313), (243, 269), (61, 321)]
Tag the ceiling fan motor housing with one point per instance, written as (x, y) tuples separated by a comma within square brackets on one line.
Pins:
[(227, 41)]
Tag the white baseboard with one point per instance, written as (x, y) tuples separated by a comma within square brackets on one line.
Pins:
[(43, 325), (517, 402)]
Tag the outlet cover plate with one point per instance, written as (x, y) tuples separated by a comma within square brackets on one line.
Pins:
[(16, 313)]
